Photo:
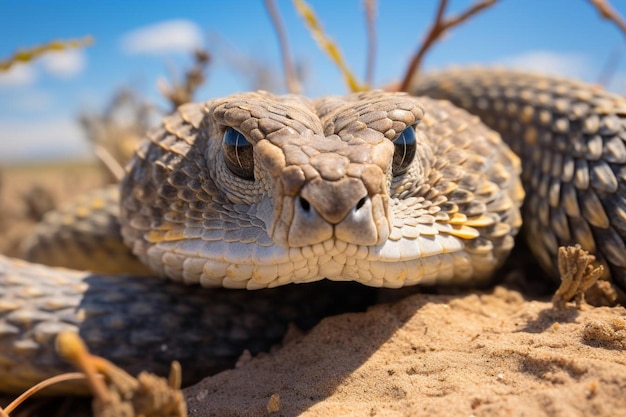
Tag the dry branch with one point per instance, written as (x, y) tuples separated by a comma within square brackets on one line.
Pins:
[(609, 68), (256, 72), (116, 393), (291, 78), (436, 31), (326, 44), (72, 376), (26, 55), (608, 12), (370, 16), (183, 92), (114, 133)]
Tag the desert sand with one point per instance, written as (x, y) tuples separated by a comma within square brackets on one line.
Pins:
[(476, 354)]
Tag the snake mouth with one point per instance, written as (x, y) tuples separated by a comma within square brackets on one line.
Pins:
[(419, 248), (395, 263)]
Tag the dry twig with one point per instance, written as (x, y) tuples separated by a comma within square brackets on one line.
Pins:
[(436, 31), (258, 73), (114, 166), (73, 376), (608, 12), (370, 19), (114, 133), (291, 78), (610, 66), (27, 55), (119, 393), (183, 92), (115, 393), (326, 44)]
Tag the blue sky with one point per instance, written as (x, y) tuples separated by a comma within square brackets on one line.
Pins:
[(138, 42)]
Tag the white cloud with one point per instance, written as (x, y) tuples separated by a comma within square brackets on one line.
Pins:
[(64, 64), (163, 37), (571, 65), (18, 75), (549, 62), (41, 139)]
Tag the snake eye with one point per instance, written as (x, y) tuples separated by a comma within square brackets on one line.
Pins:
[(404, 151), (238, 154)]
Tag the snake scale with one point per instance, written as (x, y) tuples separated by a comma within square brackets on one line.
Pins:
[(256, 191)]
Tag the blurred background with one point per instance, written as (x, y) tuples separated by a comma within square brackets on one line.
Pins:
[(49, 106)]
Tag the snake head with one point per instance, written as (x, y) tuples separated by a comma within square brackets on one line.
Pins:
[(256, 190), (322, 169)]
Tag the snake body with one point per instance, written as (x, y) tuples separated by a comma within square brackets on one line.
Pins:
[(571, 138), (257, 191)]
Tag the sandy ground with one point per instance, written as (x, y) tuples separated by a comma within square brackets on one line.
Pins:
[(491, 353)]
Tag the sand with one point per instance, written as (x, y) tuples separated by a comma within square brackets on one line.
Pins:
[(478, 354)]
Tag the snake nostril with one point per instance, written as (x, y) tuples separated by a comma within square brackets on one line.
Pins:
[(361, 203), (306, 206)]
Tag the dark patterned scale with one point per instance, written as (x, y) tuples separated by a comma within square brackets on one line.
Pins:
[(570, 137)]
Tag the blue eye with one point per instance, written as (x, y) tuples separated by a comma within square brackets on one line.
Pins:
[(404, 151), (238, 154)]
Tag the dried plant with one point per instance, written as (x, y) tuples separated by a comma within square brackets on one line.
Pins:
[(607, 11), (257, 73), (183, 91), (291, 77), (327, 45), (439, 27), (114, 134), (610, 66), (370, 20), (115, 393), (27, 55), (578, 272)]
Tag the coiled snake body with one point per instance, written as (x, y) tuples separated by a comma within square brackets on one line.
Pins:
[(257, 191)]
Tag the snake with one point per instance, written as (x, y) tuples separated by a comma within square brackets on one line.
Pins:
[(243, 197)]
